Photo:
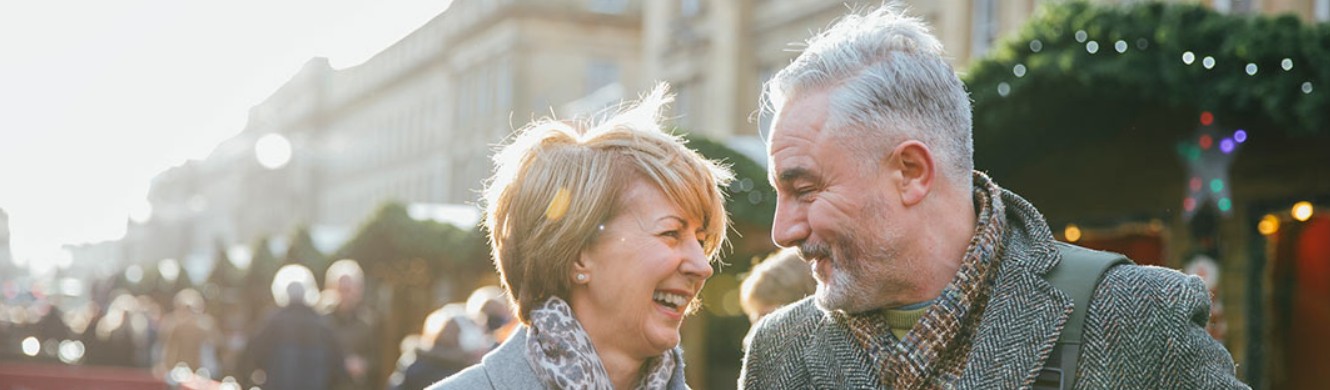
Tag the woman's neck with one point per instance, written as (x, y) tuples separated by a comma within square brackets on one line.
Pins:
[(624, 370), (623, 367)]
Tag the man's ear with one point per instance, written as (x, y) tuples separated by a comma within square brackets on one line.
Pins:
[(915, 167)]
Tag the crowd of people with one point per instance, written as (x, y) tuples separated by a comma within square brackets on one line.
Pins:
[(311, 339)]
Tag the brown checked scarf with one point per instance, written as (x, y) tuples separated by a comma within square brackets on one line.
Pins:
[(933, 353)]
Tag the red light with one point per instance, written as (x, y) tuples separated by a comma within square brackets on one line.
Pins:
[(1189, 204), (1206, 142), (1207, 118), (1195, 184)]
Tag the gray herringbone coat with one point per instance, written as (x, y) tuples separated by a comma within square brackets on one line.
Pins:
[(1145, 329)]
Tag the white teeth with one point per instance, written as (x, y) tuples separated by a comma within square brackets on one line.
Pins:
[(673, 299)]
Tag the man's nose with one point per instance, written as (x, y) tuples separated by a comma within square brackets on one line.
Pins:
[(790, 224)]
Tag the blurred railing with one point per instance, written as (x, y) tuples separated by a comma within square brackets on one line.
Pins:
[(52, 376)]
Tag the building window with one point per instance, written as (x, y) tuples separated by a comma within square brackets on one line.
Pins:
[(984, 25), (599, 73), (609, 6), (689, 8), (1233, 6)]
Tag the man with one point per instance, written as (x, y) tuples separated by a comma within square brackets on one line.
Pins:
[(929, 275), (354, 324)]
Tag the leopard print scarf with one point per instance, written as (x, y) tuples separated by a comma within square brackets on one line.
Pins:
[(561, 353)]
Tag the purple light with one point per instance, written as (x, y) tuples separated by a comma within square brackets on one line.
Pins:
[(1226, 145), (1240, 136)]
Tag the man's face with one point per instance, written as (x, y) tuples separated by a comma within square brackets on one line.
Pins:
[(841, 209)]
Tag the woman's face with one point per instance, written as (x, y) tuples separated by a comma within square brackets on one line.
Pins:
[(643, 269)]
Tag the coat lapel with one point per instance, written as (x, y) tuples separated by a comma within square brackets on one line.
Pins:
[(1024, 317)]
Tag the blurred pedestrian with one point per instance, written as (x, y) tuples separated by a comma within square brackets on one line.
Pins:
[(189, 336), (783, 278), (449, 342), (294, 347), (489, 307), (929, 274), (354, 324), (119, 335), (603, 237)]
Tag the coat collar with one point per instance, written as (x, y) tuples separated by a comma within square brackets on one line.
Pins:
[(1025, 312)]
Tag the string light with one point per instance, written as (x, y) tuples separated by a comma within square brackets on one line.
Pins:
[(1225, 204), (1206, 142), (1251, 69), (1036, 46), (1004, 89), (1018, 70), (1092, 47), (1240, 136), (1081, 36), (1208, 62), (1207, 118), (1287, 64), (1120, 46), (1302, 211), (1306, 87), (1188, 58)]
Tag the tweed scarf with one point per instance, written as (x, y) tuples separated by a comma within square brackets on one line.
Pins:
[(561, 353), (934, 352)]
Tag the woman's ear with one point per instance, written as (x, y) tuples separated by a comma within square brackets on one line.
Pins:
[(582, 268), (915, 168)]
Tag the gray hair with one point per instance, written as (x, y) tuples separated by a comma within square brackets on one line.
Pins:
[(888, 83)]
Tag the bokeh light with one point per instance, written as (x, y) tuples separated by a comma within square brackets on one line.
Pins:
[(1251, 69), (1195, 184), (1206, 142), (1189, 204), (1306, 87), (1188, 58), (1092, 47), (31, 346), (1072, 232), (273, 151), (1004, 89), (1081, 36), (1226, 145), (1240, 136), (1287, 64), (1036, 46), (1120, 46), (1269, 225), (1018, 70), (1208, 62), (1207, 118), (71, 351), (1225, 204), (1302, 211), (1216, 185)]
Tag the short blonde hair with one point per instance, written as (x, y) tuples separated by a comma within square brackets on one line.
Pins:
[(783, 278), (556, 182)]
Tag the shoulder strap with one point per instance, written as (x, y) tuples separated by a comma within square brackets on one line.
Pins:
[(1077, 275)]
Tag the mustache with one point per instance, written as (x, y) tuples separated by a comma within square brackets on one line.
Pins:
[(809, 251)]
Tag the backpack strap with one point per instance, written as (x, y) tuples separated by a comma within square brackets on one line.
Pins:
[(1077, 275)]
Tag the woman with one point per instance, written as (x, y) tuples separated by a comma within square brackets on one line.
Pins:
[(602, 237)]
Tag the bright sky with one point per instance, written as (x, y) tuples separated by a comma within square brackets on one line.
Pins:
[(97, 97)]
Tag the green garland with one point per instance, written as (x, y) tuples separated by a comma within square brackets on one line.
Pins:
[(1045, 83)]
